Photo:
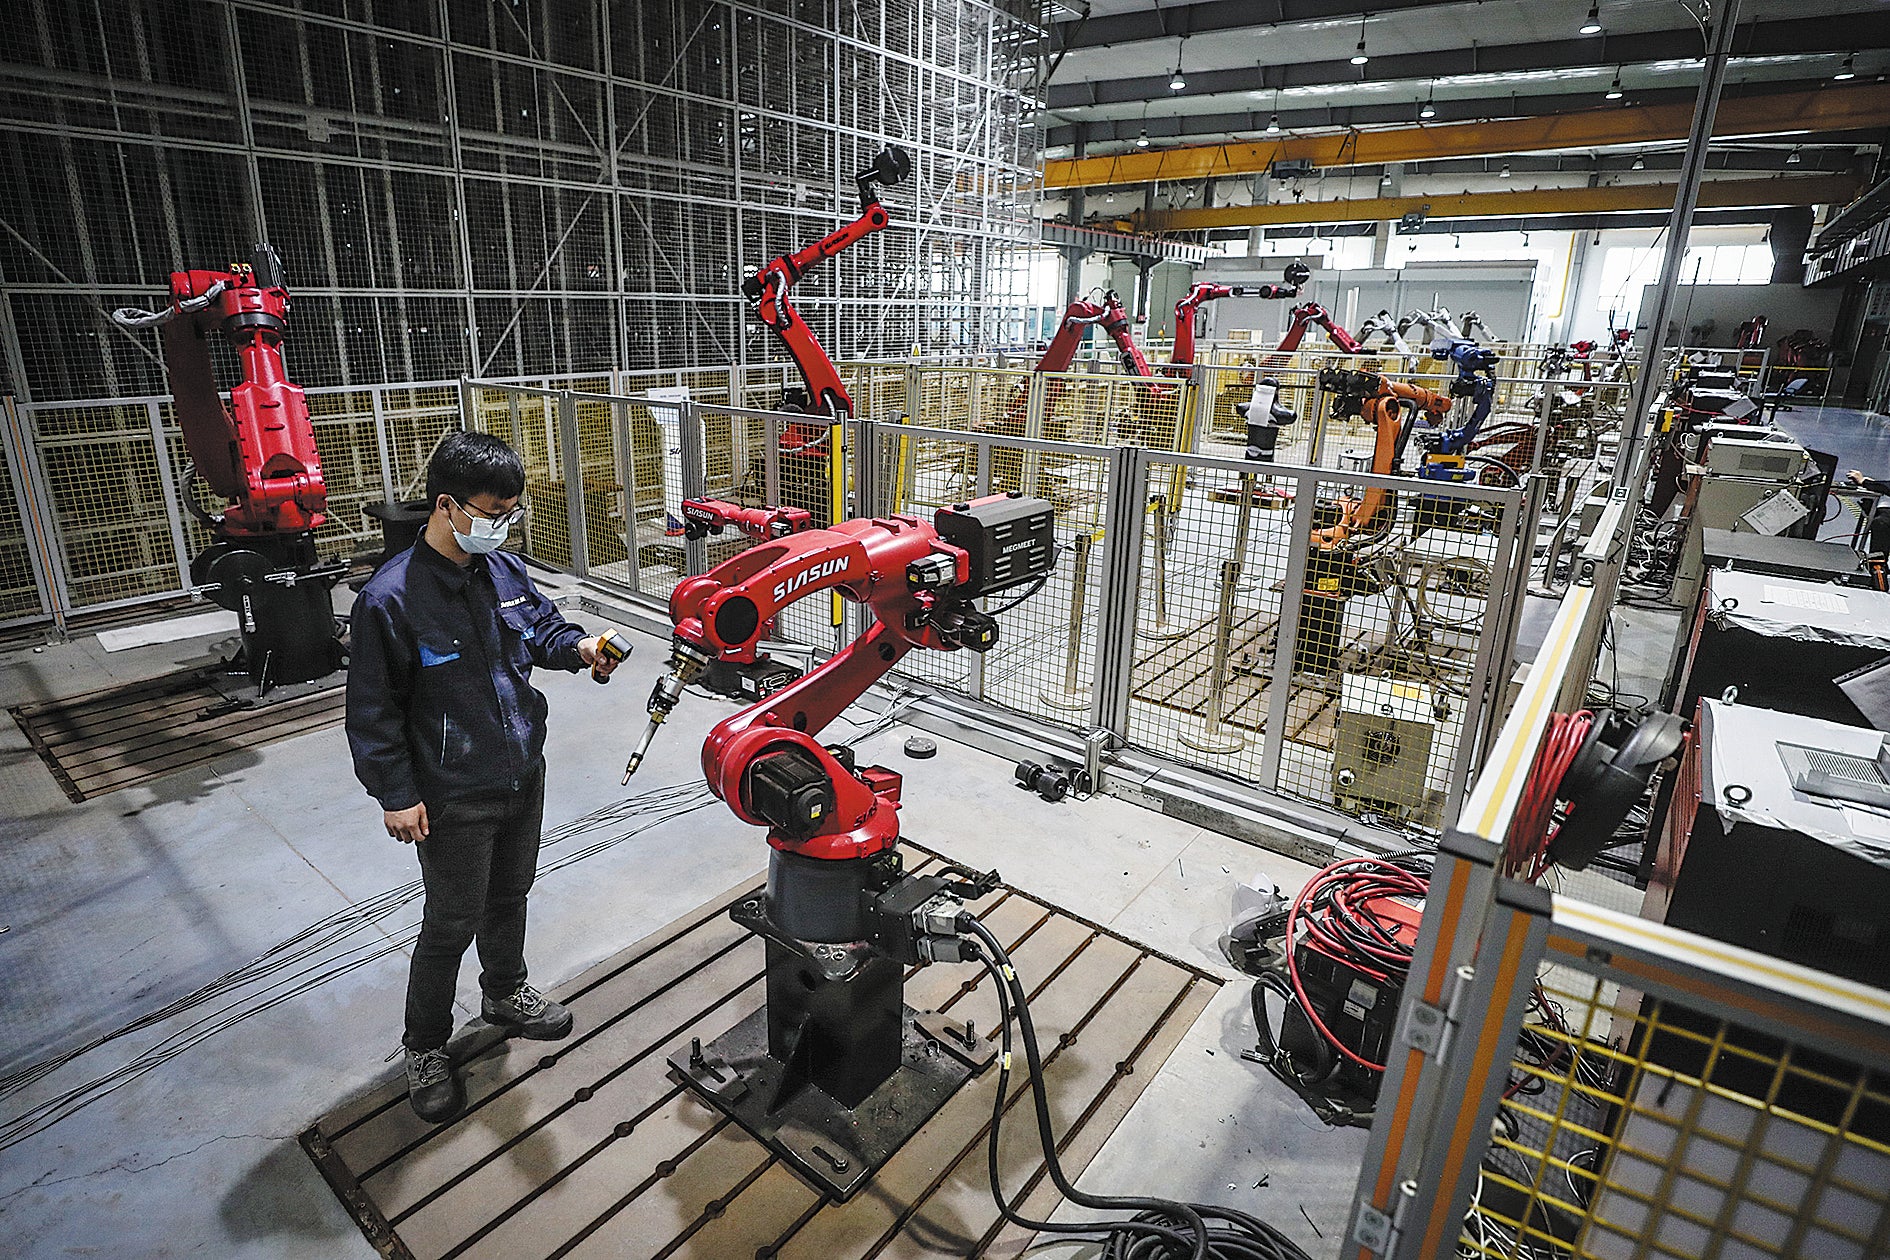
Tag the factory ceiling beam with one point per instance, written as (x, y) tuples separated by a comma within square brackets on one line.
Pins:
[(1770, 40), (1523, 203), (1209, 16), (1391, 114), (1830, 109)]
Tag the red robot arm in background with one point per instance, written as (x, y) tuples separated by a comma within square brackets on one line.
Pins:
[(1078, 318), (768, 288), (1116, 322), (1305, 316), (1182, 356), (920, 588), (259, 452)]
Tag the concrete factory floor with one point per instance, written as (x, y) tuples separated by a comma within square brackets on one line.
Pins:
[(113, 909)]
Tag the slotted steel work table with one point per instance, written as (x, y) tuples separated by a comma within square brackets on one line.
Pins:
[(591, 1147)]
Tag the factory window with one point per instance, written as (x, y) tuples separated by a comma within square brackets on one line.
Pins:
[(1627, 269)]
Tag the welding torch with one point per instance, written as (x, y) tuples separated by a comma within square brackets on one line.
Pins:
[(686, 661)]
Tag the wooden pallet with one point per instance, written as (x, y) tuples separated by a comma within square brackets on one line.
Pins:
[(590, 1148), (119, 737)]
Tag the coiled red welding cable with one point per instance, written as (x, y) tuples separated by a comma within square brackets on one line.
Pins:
[(1526, 848), (1333, 908)]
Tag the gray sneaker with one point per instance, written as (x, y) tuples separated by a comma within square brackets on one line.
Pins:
[(528, 1013), (433, 1085)]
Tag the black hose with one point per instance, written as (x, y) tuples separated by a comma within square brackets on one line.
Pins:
[(1162, 1229)]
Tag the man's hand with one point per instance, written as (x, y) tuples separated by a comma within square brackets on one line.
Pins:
[(1855, 476), (409, 826), (601, 663)]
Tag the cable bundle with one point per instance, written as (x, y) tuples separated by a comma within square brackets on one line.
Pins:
[(1162, 1229), (1532, 828), (1335, 909)]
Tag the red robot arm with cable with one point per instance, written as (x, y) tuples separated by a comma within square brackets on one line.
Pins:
[(768, 288), (259, 452), (1305, 316), (920, 580), (1189, 307)]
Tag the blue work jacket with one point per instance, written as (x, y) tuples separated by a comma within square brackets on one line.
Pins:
[(440, 701)]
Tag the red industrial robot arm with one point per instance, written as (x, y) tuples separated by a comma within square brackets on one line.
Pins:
[(920, 580), (702, 517), (1305, 316), (1116, 322), (259, 452), (768, 288), (1182, 356)]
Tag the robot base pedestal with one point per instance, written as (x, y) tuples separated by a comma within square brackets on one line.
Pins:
[(837, 1149), (835, 1072)]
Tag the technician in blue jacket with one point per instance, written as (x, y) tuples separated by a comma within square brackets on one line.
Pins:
[(448, 734)]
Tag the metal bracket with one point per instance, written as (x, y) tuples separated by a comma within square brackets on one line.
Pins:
[(958, 1038), (714, 1076), (1374, 1230), (1424, 1028)]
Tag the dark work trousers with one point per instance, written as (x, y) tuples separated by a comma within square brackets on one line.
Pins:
[(477, 863)]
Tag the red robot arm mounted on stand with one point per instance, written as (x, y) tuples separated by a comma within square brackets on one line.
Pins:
[(1186, 310), (768, 288), (1305, 316), (920, 579), (259, 452)]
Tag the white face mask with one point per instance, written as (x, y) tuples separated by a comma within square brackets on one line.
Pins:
[(486, 536)]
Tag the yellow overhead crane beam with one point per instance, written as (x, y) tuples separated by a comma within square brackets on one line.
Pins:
[(1810, 191), (1826, 109)]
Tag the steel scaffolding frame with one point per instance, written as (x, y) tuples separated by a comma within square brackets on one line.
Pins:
[(480, 188)]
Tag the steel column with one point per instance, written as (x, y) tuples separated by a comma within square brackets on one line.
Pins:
[(577, 528), (1725, 20), (1286, 628), (167, 483)]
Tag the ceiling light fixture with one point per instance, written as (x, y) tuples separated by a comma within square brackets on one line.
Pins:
[(1640, 164), (1593, 25), (1430, 94), (1273, 125), (1384, 180), (1849, 68), (1614, 89), (1504, 173), (1141, 141), (1177, 83), (1360, 57), (1793, 158)]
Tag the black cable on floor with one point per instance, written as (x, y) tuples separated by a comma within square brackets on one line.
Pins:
[(1161, 1229)]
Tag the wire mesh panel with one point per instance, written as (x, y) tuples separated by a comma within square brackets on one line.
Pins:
[(1121, 410), (508, 190), (350, 453), (112, 524), (1636, 1126), (1044, 663), (19, 585), (653, 459), (1395, 608), (416, 418), (1213, 573), (1045, 660)]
